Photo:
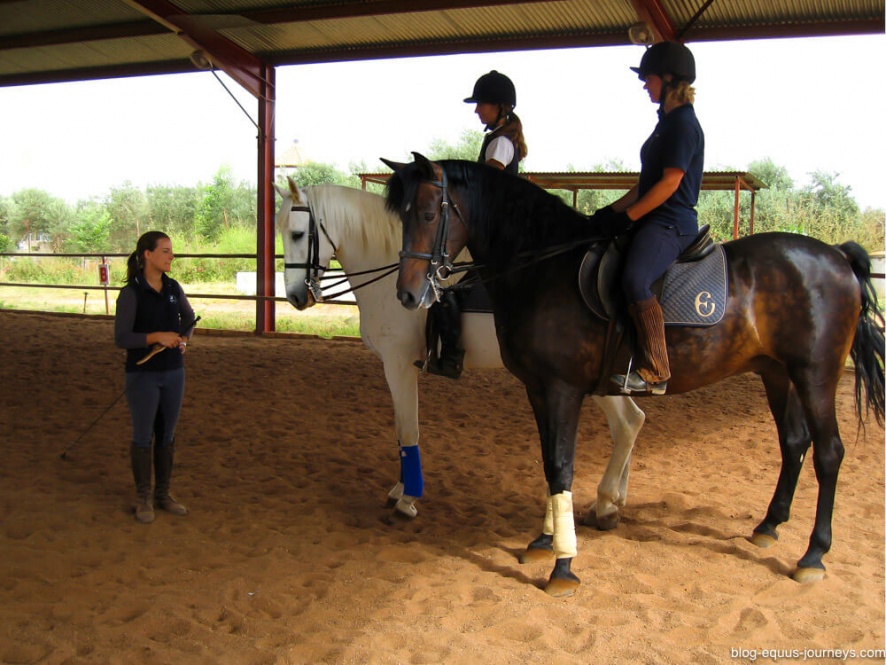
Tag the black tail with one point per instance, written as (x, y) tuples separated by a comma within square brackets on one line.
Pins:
[(868, 348)]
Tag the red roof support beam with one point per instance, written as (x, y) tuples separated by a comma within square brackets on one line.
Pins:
[(652, 12), (241, 65), (265, 307)]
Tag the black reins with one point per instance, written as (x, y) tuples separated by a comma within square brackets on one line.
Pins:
[(315, 269)]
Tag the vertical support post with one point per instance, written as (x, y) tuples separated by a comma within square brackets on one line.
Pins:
[(753, 205), (105, 281), (265, 277), (735, 220)]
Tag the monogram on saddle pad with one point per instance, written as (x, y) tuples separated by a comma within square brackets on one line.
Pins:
[(692, 292)]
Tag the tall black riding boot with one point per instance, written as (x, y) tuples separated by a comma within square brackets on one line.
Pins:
[(163, 457), (141, 472), (452, 353)]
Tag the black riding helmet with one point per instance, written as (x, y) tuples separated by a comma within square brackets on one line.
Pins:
[(667, 58), (493, 88)]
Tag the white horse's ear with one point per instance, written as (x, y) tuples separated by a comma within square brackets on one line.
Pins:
[(396, 167), (282, 192), (292, 186)]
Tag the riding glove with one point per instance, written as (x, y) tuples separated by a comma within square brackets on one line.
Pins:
[(609, 222)]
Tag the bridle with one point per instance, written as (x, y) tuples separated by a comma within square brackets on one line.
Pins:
[(315, 269), (313, 266), (439, 264), (441, 267)]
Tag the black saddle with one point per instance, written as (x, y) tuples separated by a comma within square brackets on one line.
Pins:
[(692, 292)]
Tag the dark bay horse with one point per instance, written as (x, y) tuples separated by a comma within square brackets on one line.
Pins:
[(797, 308)]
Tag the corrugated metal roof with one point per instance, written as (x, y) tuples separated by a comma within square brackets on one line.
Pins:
[(58, 40)]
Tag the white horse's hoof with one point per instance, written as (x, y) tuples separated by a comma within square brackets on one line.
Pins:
[(601, 522), (396, 492), (406, 506)]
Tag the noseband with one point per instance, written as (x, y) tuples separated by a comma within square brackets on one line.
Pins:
[(313, 266), (439, 263)]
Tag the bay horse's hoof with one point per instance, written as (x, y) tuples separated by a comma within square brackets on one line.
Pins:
[(804, 575), (537, 555), (563, 582), (763, 540), (562, 587)]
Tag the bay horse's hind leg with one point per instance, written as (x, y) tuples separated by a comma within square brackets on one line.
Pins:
[(794, 438), (794, 441)]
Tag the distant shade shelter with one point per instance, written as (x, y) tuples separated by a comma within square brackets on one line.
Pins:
[(736, 181)]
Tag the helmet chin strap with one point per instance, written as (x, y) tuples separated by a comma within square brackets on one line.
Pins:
[(498, 120), (663, 96)]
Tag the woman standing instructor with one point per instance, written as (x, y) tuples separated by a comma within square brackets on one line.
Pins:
[(153, 322)]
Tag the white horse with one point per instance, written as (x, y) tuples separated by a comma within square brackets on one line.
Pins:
[(319, 222)]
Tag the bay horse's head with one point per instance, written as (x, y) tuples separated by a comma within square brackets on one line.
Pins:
[(306, 250), (433, 228)]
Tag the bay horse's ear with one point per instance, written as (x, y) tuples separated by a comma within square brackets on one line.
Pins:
[(425, 166), (396, 167)]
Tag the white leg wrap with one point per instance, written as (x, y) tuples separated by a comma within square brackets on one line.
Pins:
[(548, 528), (565, 546)]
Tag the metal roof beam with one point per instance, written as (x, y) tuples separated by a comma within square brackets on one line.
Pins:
[(332, 10), (244, 67), (78, 35), (654, 14)]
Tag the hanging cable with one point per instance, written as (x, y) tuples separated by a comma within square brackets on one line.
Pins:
[(237, 101)]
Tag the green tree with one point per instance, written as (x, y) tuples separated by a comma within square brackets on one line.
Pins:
[(467, 148), (90, 232), (173, 209), (317, 173), (830, 195), (772, 175), (127, 208), (224, 205), (34, 214), (6, 211)]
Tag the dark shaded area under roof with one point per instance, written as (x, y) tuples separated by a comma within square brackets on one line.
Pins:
[(44, 41)]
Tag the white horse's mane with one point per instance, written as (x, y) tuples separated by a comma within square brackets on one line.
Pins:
[(357, 218)]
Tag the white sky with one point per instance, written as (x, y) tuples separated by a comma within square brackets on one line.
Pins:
[(808, 104)]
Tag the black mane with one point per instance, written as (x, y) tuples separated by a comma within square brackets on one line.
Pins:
[(518, 214)]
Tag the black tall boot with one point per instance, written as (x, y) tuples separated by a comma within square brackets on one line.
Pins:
[(141, 472), (452, 354), (163, 457)]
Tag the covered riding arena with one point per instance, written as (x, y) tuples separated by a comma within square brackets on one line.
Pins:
[(286, 454), (286, 448)]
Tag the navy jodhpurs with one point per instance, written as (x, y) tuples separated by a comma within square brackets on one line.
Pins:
[(155, 401), (654, 247)]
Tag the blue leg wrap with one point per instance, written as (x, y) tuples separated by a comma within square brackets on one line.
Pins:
[(410, 471)]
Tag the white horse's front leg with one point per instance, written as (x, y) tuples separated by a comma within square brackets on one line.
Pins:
[(625, 421), (402, 379)]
